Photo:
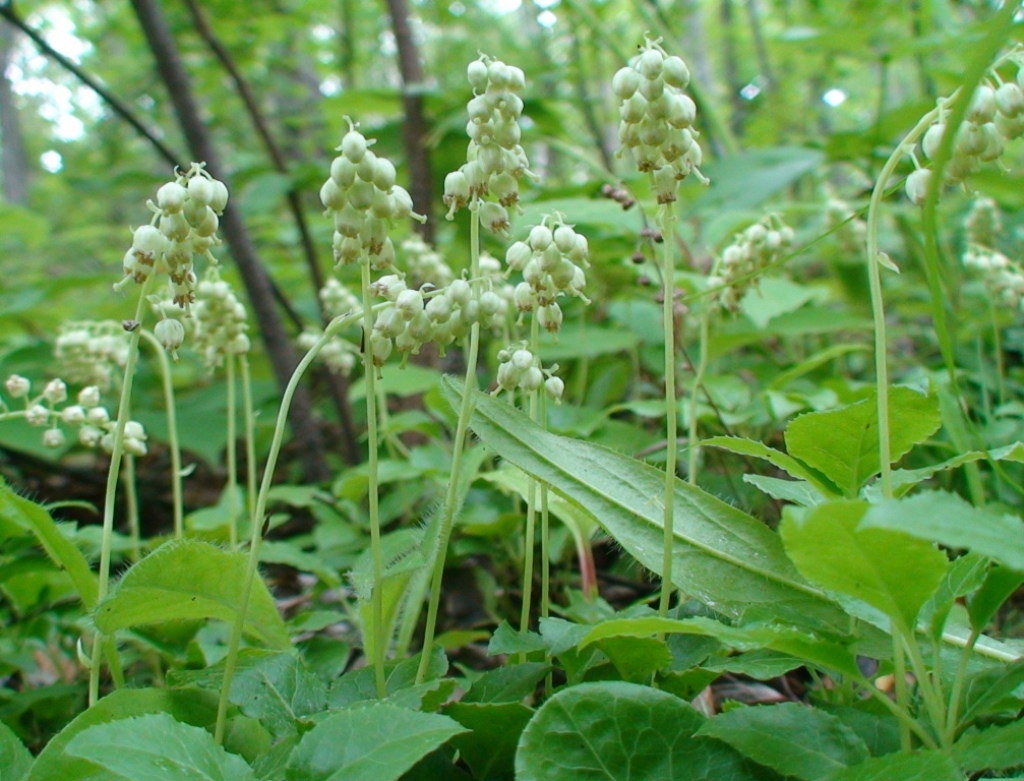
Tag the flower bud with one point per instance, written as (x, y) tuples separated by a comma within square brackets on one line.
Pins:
[(409, 303), (89, 396), (917, 185), (540, 237), (89, 436), (200, 190), (554, 387), (149, 243), (343, 172), (55, 391), (331, 195), (37, 415), (532, 379), (1009, 99), (171, 334), (73, 415), (53, 438), (476, 73), (625, 83), (353, 146), (219, 201), (171, 197), (384, 174), (18, 386), (675, 72), (650, 64)]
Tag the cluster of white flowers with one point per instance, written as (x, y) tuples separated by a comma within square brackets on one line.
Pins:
[(90, 352), (754, 249), (995, 116), (850, 231), (1002, 277), (338, 355), (657, 118), (552, 263), (363, 199), (92, 421), (495, 160), (220, 320), (424, 265), (983, 222), (187, 213), (519, 368), (338, 299)]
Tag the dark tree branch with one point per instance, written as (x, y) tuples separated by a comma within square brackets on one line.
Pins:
[(262, 127), (257, 282), (414, 129), (7, 12), (12, 151)]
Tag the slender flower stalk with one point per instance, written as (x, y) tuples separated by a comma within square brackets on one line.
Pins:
[(173, 444), (231, 455), (671, 406)]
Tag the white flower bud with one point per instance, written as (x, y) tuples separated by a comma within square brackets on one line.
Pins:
[(18, 386), (89, 396), (171, 197), (331, 195), (149, 243), (625, 83), (650, 63), (98, 416), (73, 415), (219, 201), (490, 303), (89, 436), (516, 79), (384, 174), (508, 376), (343, 172), (134, 447), (554, 387), (522, 359), (1009, 99), (495, 217), (353, 146), (439, 308), (200, 190), (53, 438), (476, 73), (532, 379), (917, 185), (550, 317), (983, 105), (518, 255), (634, 109), (55, 392), (498, 74), (565, 238), (540, 237), (170, 333), (409, 303), (675, 72), (37, 415)]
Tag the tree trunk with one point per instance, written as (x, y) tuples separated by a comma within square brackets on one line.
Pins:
[(12, 144), (257, 282), (414, 129)]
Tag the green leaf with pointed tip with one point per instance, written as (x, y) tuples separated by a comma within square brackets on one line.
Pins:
[(510, 683), (189, 706), (1000, 583), (34, 518), (793, 739), (190, 579), (15, 759), (948, 519), (921, 766), (616, 731), (156, 747), (725, 558), (889, 570), (636, 658), (843, 443), (490, 748), (994, 748), (788, 464), (376, 742)]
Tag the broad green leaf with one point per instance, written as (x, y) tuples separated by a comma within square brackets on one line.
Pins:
[(775, 296), (999, 583), (994, 748), (587, 341), (843, 443), (788, 464), (889, 570), (616, 731), (190, 579), (376, 742), (190, 706), (994, 690), (490, 748), (15, 759), (34, 518), (793, 739), (742, 181), (509, 683), (156, 747), (798, 492), (507, 640), (811, 649), (636, 658), (949, 520), (722, 556), (922, 766)]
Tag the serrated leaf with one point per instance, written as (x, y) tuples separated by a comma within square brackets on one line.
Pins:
[(888, 570), (994, 748), (376, 742), (843, 443), (15, 759), (509, 683), (793, 739), (788, 464), (995, 689), (156, 747), (798, 492), (922, 766), (616, 731), (191, 579), (722, 556), (507, 640), (636, 658), (999, 584), (490, 747), (948, 519)]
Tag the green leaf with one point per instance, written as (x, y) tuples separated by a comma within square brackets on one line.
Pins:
[(774, 297), (798, 492), (507, 640), (156, 747), (190, 579), (490, 748), (636, 658), (889, 570), (509, 683), (788, 464), (843, 443), (189, 706), (993, 690), (995, 748), (744, 180), (15, 759), (999, 584), (722, 556), (616, 731), (922, 766), (793, 739), (34, 518), (376, 742), (946, 518)]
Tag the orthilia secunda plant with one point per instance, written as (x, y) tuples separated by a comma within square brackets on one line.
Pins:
[(656, 125)]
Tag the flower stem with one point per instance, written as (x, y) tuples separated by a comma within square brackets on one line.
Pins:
[(451, 495), (667, 220), (231, 456), (698, 381)]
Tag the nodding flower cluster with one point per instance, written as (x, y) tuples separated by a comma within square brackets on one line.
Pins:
[(754, 249), (995, 116), (91, 351), (552, 264), (93, 422), (519, 368), (657, 118), (221, 320), (364, 201), (1002, 277), (495, 160), (186, 217)]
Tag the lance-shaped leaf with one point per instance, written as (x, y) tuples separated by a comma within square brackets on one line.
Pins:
[(721, 556)]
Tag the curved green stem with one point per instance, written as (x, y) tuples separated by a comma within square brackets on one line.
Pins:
[(376, 633), (231, 456), (250, 435), (531, 508), (173, 445), (110, 496), (458, 444), (698, 381), (667, 220), (131, 505)]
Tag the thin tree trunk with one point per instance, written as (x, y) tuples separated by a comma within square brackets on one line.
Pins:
[(414, 129), (12, 144), (257, 282)]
